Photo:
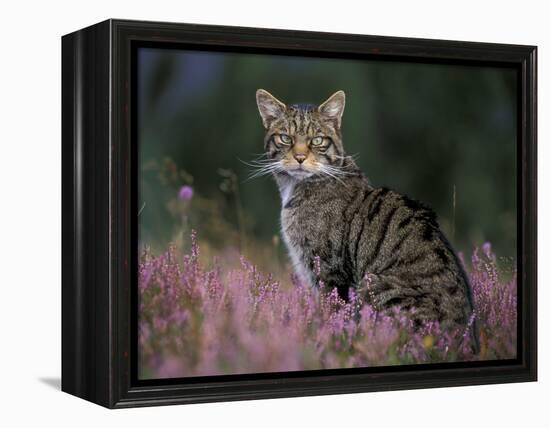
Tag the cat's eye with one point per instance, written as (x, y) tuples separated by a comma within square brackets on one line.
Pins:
[(317, 141), (285, 139)]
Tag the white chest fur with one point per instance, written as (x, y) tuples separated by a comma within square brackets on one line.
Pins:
[(286, 188), (286, 192), (297, 258)]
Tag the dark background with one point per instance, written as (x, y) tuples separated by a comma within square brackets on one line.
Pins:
[(443, 134)]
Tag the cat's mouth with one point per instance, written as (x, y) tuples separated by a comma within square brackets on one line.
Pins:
[(299, 171)]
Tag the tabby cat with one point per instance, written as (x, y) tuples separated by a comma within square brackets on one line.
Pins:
[(385, 245)]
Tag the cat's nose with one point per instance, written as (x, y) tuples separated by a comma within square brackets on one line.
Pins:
[(300, 157)]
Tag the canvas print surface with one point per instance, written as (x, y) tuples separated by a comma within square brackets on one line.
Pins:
[(300, 213)]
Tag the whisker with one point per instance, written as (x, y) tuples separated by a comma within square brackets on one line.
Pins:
[(259, 155), (337, 170), (265, 170), (254, 176), (353, 156), (257, 163), (324, 170)]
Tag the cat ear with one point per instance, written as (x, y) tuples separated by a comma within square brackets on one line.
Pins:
[(270, 107), (333, 108)]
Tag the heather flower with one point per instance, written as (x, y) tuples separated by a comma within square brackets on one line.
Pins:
[(185, 193), (317, 265), (199, 321)]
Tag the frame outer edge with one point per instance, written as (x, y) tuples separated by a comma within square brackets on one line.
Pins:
[(85, 220), (70, 370), (531, 206), (105, 373)]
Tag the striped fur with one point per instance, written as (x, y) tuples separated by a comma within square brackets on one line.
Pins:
[(358, 231)]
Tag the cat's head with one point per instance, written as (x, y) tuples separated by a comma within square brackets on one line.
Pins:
[(303, 140)]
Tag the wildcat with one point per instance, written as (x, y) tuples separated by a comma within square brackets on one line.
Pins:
[(385, 245)]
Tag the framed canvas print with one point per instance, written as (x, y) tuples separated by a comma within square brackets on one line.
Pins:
[(252, 213)]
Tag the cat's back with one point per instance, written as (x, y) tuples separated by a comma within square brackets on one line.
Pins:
[(358, 230), (397, 242), (395, 234), (369, 229)]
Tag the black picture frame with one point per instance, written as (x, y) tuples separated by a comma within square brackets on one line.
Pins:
[(99, 222)]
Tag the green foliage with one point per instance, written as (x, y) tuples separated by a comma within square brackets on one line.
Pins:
[(421, 129)]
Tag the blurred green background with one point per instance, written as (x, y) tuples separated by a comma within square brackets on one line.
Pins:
[(443, 134)]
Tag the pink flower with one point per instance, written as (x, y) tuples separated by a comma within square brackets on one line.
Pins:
[(185, 193), (202, 320)]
